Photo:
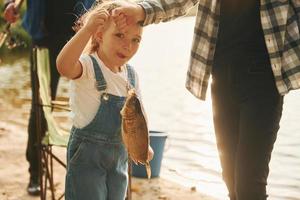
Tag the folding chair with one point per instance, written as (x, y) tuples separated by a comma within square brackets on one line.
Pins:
[(55, 136)]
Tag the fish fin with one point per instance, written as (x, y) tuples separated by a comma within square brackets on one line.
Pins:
[(144, 112), (148, 170), (141, 105)]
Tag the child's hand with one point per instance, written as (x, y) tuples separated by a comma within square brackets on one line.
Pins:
[(96, 21)]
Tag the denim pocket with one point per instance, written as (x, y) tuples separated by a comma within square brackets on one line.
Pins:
[(75, 149)]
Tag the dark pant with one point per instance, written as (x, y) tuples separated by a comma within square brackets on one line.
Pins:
[(32, 143), (246, 110)]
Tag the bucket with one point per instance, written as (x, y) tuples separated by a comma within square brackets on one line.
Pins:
[(157, 142)]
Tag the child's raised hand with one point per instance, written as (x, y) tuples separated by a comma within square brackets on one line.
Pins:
[(97, 20)]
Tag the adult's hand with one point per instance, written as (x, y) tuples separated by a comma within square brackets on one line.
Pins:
[(127, 14), (11, 13)]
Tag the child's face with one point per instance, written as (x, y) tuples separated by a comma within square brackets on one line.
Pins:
[(116, 47)]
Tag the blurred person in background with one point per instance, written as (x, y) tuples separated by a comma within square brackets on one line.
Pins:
[(49, 23)]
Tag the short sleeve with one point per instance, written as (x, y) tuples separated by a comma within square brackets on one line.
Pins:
[(87, 67)]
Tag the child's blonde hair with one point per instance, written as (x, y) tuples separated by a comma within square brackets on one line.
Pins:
[(108, 5)]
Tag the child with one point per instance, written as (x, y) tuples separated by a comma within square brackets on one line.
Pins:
[(95, 59)]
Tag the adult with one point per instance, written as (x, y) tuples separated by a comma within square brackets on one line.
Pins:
[(49, 23), (251, 49)]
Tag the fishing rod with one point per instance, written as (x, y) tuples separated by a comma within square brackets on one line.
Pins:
[(6, 32)]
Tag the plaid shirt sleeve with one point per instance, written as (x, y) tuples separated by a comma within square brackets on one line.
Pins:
[(165, 10), (280, 22), (296, 7), (204, 39), (281, 25), (291, 49)]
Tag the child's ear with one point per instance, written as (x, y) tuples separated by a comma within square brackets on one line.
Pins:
[(99, 36)]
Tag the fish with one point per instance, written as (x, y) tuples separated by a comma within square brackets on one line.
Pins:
[(135, 132)]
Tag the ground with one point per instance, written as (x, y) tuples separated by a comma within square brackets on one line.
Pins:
[(13, 165)]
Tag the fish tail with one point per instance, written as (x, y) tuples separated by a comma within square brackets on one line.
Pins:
[(135, 161), (148, 170)]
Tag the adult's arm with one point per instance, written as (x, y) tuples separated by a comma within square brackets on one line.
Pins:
[(165, 10), (296, 6), (151, 11)]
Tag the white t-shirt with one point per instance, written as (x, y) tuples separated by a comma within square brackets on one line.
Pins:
[(85, 98)]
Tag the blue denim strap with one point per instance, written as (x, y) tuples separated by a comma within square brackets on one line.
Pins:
[(100, 81), (131, 75)]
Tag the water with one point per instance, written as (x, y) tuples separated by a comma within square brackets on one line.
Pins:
[(191, 157)]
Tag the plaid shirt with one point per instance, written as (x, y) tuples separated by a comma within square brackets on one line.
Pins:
[(280, 22)]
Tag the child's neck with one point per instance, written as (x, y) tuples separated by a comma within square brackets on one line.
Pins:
[(112, 68), (115, 69)]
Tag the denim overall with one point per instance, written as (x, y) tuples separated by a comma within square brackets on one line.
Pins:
[(96, 156)]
